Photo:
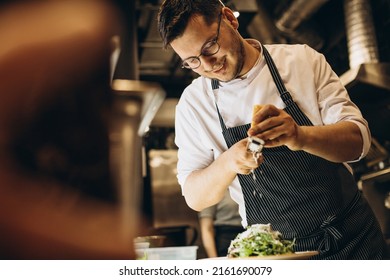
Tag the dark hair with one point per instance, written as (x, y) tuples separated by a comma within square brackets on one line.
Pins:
[(173, 16)]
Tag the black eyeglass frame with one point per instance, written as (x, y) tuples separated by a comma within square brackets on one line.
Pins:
[(206, 45)]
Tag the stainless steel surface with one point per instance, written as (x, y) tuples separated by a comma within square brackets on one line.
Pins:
[(171, 215), (380, 175), (170, 208), (151, 96), (134, 106)]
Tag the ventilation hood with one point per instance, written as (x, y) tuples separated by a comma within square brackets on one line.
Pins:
[(368, 86), (368, 82), (368, 79)]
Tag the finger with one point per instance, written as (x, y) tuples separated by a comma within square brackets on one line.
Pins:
[(259, 160), (245, 171), (267, 128), (274, 142), (253, 162), (264, 113), (272, 134)]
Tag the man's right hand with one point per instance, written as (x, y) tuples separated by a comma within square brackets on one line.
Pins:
[(240, 160)]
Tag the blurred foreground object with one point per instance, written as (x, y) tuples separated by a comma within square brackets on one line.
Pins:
[(57, 196)]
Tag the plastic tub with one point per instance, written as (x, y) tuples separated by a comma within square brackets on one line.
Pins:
[(141, 245), (168, 253)]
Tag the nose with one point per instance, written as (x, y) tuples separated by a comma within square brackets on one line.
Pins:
[(207, 61), (210, 63)]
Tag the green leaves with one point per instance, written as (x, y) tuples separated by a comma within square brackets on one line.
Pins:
[(260, 241)]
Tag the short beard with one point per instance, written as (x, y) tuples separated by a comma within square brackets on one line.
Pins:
[(241, 54)]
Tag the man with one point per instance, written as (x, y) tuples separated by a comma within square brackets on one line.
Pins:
[(301, 183)]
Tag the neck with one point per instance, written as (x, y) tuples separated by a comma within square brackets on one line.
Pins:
[(251, 58)]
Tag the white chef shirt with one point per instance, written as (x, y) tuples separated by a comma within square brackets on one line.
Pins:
[(306, 74)]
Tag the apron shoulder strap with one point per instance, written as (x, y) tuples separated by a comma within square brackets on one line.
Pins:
[(214, 84), (284, 94)]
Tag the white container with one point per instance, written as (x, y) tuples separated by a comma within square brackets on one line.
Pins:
[(168, 253), (141, 245)]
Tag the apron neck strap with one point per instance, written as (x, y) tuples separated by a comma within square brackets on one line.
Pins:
[(284, 94)]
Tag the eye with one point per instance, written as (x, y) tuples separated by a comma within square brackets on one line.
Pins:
[(192, 60), (210, 48)]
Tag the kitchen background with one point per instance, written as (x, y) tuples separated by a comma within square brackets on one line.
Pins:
[(354, 36)]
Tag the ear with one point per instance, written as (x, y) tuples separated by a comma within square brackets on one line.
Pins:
[(228, 14)]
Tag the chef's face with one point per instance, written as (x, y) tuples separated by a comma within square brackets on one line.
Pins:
[(214, 51)]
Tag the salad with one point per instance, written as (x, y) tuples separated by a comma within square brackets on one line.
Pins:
[(259, 240)]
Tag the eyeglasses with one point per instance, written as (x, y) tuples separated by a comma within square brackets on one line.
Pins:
[(209, 48)]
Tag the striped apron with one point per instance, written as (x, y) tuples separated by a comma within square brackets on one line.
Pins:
[(306, 197)]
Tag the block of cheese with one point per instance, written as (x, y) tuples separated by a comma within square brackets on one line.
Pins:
[(255, 109)]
